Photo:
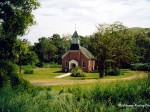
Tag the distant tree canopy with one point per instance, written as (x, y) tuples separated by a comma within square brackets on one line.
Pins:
[(51, 49)]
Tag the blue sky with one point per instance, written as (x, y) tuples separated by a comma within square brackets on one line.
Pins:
[(60, 16)]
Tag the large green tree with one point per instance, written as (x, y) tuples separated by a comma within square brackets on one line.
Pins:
[(113, 46), (15, 16)]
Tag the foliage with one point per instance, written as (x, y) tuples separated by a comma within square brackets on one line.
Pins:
[(51, 49), (48, 65), (143, 46), (8, 72), (112, 72), (108, 98), (51, 65), (140, 66), (113, 46), (24, 54), (39, 64), (13, 11), (8, 75), (28, 71), (77, 72), (45, 50)]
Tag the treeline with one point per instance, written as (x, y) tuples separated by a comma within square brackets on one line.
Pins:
[(46, 50), (113, 45)]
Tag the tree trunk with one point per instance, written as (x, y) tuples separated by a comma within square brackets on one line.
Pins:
[(101, 71)]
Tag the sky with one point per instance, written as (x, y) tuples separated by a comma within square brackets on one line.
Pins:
[(61, 16)]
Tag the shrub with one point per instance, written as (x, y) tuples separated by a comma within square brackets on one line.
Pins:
[(114, 72), (48, 65), (39, 64), (8, 71), (51, 65), (140, 66), (28, 71), (77, 72)]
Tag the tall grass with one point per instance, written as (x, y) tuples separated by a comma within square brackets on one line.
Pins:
[(99, 98)]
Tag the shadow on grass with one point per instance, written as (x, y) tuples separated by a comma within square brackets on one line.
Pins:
[(95, 71), (58, 72)]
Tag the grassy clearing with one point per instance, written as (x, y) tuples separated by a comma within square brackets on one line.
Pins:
[(51, 73), (46, 76)]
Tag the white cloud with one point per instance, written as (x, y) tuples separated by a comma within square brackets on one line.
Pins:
[(60, 16)]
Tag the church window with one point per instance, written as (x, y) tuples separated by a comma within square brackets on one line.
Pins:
[(66, 64), (83, 64)]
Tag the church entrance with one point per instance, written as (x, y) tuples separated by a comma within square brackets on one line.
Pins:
[(72, 64)]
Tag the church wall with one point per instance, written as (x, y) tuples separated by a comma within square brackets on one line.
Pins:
[(80, 57)]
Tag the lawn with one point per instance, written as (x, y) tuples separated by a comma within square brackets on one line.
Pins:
[(43, 74), (46, 76)]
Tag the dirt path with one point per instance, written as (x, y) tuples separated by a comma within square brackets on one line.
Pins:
[(67, 82)]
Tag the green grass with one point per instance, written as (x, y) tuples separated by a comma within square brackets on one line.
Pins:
[(95, 75), (46, 75), (96, 98), (43, 74)]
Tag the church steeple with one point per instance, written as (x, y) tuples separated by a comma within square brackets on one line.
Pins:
[(75, 42)]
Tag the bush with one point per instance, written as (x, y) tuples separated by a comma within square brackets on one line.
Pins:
[(28, 71), (39, 64), (114, 72), (48, 65), (140, 66), (8, 71), (51, 65), (77, 72)]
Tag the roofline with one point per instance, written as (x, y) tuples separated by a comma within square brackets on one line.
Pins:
[(77, 51), (86, 55)]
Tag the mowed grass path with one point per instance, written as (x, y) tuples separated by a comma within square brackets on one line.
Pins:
[(46, 76)]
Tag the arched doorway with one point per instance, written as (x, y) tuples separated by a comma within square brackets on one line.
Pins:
[(72, 64)]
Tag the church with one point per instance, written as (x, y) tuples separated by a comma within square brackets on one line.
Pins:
[(77, 56)]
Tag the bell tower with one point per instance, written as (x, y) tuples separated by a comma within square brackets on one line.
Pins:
[(75, 42)]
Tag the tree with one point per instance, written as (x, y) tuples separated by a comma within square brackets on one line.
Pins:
[(112, 46), (24, 53), (15, 16), (143, 45), (45, 50), (62, 45)]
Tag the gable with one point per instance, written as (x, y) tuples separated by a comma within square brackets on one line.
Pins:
[(83, 50)]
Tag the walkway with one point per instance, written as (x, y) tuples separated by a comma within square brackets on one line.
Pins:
[(65, 75)]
